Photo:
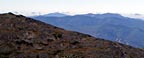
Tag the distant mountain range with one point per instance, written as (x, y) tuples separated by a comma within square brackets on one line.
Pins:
[(61, 14), (140, 16), (108, 26), (56, 14)]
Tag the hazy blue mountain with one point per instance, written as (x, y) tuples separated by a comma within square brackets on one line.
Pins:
[(56, 14), (109, 26)]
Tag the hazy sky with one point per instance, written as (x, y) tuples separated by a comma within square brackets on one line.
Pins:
[(73, 6)]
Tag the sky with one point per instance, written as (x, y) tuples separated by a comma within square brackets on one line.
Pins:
[(73, 6)]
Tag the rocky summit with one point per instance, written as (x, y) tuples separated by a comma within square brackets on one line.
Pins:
[(22, 37)]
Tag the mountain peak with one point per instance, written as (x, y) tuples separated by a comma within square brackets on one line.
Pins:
[(10, 13), (111, 15), (105, 15), (56, 14)]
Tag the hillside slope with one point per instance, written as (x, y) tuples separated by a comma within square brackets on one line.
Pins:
[(22, 37)]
